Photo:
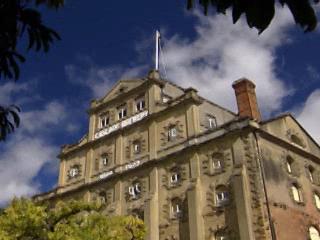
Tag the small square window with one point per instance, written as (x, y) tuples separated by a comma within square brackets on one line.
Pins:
[(175, 178), (135, 190), (216, 164), (73, 172), (222, 198)]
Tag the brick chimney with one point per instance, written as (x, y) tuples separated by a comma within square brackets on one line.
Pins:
[(246, 99)]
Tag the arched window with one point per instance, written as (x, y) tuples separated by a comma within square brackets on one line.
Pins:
[(310, 172), (314, 233), (297, 140), (296, 193), (289, 164), (317, 200)]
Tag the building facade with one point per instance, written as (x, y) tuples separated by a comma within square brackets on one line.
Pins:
[(191, 169)]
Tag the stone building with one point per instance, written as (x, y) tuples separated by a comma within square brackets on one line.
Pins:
[(193, 170)]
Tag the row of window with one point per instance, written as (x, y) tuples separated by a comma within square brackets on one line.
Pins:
[(104, 120), (292, 168), (105, 161), (297, 195)]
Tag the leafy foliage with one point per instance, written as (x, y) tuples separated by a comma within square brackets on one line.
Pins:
[(9, 120), (75, 220), (259, 13), (19, 18)]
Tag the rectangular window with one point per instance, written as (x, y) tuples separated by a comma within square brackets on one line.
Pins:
[(104, 121), (172, 133), (140, 104), (122, 112), (212, 122), (137, 147)]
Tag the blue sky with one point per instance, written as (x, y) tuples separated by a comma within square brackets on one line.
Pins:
[(109, 40)]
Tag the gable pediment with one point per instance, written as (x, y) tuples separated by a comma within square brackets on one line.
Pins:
[(289, 129), (120, 87)]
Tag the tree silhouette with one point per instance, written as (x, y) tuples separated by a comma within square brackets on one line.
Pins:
[(20, 20), (259, 13), (9, 120)]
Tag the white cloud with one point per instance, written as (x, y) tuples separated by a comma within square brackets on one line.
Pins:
[(220, 53), (28, 149), (309, 115), (223, 52), (21, 161), (100, 79), (40, 120), (8, 89)]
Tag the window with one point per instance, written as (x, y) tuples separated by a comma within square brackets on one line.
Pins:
[(289, 165), (140, 104), (317, 200), (122, 112), (136, 147), (102, 197), (165, 99), (216, 164), (296, 193), (172, 133), (175, 178), (220, 236), (135, 190), (138, 213), (105, 159), (176, 209), (222, 197), (73, 171), (212, 122), (310, 173), (104, 121), (314, 233)]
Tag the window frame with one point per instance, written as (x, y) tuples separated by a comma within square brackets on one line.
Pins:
[(172, 129), (140, 104), (296, 193), (104, 120), (316, 198), (122, 112), (315, 231), (136, 190), (74, 171)]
